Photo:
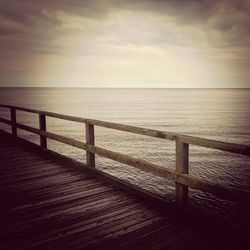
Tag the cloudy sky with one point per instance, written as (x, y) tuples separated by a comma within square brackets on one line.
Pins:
[(129, 43)]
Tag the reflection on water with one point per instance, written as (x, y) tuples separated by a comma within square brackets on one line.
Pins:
[(221, 114)]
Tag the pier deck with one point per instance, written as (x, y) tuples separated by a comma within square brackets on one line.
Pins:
[(47, 205), (49, 201)]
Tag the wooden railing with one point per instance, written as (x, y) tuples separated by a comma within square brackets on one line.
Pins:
[(180, 176)]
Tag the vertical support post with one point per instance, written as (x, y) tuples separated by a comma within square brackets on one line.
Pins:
[(90, 140), (42, 126), (13, 121), (182, 155)]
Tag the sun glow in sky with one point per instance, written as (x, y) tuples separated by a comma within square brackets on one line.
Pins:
[(125, 43)]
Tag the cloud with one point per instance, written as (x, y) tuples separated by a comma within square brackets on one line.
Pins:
[(218, 31), (223, 21)]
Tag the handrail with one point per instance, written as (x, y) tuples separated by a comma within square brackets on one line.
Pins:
[(181, 177), (225, 146)]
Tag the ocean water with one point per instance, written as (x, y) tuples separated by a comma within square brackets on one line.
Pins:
[(220, 114)]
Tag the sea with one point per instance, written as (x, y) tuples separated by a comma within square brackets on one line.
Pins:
[(218, 114)]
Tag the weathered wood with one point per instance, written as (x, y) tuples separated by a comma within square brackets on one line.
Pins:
[(182, 179), (66, 117), (6, 121), (225, 146), (133, 129), (42, 126), (13, 121), (90, 140), (182, 168)]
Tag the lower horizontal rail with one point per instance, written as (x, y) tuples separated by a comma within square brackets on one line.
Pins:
[(3, 120), (60, 138)]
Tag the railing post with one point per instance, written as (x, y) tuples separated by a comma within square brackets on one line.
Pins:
[(90, 140), (13, 121), (42, 126), (182, 155)]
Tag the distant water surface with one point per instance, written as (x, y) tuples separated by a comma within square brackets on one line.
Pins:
[(220, 114)]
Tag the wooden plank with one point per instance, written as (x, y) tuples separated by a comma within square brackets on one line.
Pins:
[(66, 117), (49, 191), (30, 176), (75, 216), (95, 221), (16, 164), (37, 196), (60, 138), (124, 228), (225, 146), (99, 201), (133, 129), (35, 212), (7, 156), (32, 170), (118, 219), (27, 168), (65, 198), (51, 187), (147, 236), (29, 184), (6, 121)]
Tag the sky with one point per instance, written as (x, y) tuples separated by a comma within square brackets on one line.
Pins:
[(126, 43)]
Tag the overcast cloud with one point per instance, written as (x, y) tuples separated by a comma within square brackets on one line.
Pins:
[(133, 43)]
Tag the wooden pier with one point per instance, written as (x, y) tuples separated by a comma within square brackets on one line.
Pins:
[(49, 201)]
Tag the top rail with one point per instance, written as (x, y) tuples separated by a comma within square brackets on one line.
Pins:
[(214, 144)]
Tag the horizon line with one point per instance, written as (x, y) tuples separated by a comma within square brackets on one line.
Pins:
[(75, 87)]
